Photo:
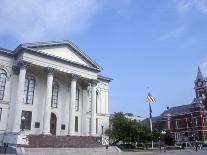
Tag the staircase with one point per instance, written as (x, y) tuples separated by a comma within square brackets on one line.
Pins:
[(50, 141)]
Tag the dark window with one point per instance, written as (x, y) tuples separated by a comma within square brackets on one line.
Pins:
[(77, 99), (96, 125), (54, 101), (26, 119), (62, 126), (37, 124), (2, 83), (0, 113), (76, 123), (29, 90), (89, 125)]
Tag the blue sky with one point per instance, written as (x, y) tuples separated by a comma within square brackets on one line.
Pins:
[(139, 43)]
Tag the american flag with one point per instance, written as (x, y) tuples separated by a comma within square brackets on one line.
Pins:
[(150, 98)]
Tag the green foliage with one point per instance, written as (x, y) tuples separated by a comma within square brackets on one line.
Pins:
[(156, 134), (126, 130)]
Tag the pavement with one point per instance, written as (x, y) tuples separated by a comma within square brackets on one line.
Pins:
[(173, 152)]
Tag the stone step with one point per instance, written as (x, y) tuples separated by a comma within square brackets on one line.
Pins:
[(70, 151), (50, 141)]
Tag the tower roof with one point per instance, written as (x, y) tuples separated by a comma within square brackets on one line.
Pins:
[(199, 75)]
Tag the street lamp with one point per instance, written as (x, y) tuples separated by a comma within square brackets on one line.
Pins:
[(23, 120), (102, 126)]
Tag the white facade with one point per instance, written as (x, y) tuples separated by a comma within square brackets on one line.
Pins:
[(137, 118), (82, 95)]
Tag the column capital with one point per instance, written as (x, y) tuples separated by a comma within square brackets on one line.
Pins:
[(23, 64), (50, 70), (74, 77), (94, 82)]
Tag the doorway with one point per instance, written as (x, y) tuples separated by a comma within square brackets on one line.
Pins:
[(53, 124)]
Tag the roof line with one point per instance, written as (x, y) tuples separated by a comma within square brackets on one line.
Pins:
[(104, 78), (32, 50), (6, 51), (64, 42)]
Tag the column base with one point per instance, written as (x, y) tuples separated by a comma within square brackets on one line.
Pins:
[(72, 134), (93, 134), (46, 133)]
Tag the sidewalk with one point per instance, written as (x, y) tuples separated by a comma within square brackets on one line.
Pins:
[(156, 152)]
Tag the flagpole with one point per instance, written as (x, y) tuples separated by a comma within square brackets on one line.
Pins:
[(150, 100), (150, 118)]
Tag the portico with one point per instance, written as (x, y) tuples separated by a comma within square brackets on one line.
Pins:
[(57, 94)]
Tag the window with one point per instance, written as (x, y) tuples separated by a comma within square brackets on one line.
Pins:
[(2, 83), (62, 126), (76, 123), (54, 101), (96, 125), (196, 122), (177, 124), (29, 86), (37, 124), (0, 113), (89, 123), (26, 119), (186, 122), (77, 99)]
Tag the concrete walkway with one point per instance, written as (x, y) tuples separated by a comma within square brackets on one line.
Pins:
[(171, 152)]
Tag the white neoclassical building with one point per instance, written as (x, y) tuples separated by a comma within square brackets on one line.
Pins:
[(52, 88)]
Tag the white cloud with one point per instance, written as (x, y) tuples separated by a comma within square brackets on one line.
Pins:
[(185, 6), (174, 34), (32, 20)]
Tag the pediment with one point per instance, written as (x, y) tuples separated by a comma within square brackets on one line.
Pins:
[(64, 50), (65, 53)]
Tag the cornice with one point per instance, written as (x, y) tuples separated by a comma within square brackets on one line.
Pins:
[(59, 59), (6, 52), (66, 43), (105, 79)]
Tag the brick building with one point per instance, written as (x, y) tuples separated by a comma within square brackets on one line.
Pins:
[(187, 123)]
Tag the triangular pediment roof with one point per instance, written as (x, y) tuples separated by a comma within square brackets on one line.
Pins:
[(63, 50)]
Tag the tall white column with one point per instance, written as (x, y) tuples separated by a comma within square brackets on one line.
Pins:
[(83, 118), (19, 97), (47, 110), (74, 79), (93, 108)]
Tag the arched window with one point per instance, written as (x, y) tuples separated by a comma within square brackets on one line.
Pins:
[(29, 86), (2, 83), (77, 99), (54, 101)]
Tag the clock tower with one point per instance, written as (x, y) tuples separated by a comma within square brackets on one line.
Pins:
[(201, 88)]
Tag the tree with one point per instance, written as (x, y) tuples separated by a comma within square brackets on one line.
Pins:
[(156, 134), (126, 130)]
